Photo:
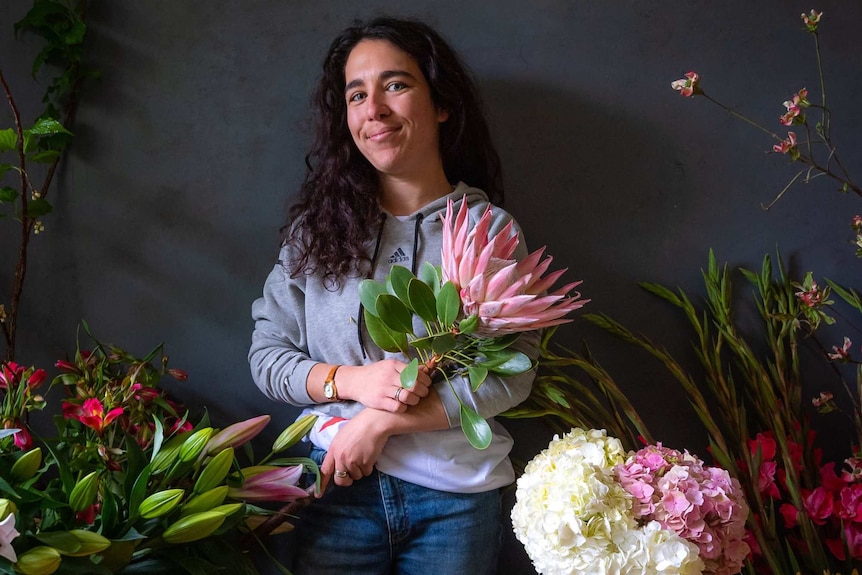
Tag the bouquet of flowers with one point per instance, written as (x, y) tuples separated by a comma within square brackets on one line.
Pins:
[(473, 308), (130, 485), (585, 506)]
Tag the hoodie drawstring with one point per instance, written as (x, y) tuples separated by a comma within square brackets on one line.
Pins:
[(413, 264), (359, 318)]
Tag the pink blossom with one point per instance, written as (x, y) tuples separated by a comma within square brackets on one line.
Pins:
[(22, 439), (688, 86), (822, 399), (818, 505), (854, 473), (794, 108), (91, 413), (812, 297), (811, 20), (236, 434), (507, 296), (7, 534), (853, 535), (790, 515), (850, 503), (841, 353), (787, 145), (856, 224)]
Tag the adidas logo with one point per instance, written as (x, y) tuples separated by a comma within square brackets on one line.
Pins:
[(398, 256)]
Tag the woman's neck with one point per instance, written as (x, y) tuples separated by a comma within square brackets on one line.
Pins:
[(401, 197)]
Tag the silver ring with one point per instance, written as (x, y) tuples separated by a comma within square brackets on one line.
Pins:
[(398, 393), (341, 473)]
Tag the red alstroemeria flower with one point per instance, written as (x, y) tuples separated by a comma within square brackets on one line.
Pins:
[(92, 414), (10, 375)]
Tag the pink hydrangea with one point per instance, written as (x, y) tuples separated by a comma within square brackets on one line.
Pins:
[(700, 503)]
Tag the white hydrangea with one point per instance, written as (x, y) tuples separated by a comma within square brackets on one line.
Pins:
[(574, 518)]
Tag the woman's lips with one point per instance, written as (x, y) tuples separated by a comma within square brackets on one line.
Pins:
[(382, 134)]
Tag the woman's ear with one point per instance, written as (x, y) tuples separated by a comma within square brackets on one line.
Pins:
[(442, 115)]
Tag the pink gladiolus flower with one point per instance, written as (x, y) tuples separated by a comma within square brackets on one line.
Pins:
[(269, 483), (688, 86), (841, 353), (786, 145), (92, 414), (850, 503), (790, 515), (818, 504), (853, 535), (236, 434), (811, 20), (506, 295)]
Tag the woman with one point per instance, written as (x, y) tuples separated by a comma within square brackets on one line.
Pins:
[(399, 132)]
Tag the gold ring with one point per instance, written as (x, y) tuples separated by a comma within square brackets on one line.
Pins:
[(341, 473), (398, 392)]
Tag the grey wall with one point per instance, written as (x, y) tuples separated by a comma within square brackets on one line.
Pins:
[(167, 212)]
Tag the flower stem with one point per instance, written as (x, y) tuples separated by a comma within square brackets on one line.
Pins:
[(736, 114)]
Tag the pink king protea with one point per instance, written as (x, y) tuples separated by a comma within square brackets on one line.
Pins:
[(507, 296)]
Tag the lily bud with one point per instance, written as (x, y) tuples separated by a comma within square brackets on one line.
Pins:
[(167, 455), (269, 483), (27, 465), (205, 501), (193, 527), (89, 543), (215, 471), (237, 434), (194, 444), (294, 433), (160, 503), (7, 508), (84, 493), (40, 560), (228, 509)]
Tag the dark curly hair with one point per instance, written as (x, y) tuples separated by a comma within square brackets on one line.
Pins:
[(338, 209)]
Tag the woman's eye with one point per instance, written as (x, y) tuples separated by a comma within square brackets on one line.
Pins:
[(396, 86), (355, 97)]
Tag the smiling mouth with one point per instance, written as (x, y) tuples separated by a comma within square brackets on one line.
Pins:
[(382, 134)]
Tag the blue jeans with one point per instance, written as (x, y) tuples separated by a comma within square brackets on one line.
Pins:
[(381, 525)]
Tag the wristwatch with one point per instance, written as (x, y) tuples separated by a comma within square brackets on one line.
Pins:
[(330, 392)]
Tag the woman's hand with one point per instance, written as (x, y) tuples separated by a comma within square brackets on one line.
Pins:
[(354, 451), (378, 385)]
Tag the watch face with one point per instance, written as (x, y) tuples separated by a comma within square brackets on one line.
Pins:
[(328, 391)]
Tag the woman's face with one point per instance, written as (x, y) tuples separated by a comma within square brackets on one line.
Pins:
[(390, 113)]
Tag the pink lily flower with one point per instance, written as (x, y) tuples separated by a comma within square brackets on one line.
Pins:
[(507, 296), (237, 434), (92, 414), (269, 483)]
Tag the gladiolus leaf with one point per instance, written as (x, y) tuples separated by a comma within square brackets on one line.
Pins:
[(476, 429), (422, 299), (443, 343), (397, 281), (430, 274), (385, 338), (394, 313), (409, 374), (448, 304), (477, 375), (368, 292)]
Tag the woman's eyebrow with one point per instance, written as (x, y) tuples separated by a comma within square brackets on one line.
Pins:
[(385, 75)]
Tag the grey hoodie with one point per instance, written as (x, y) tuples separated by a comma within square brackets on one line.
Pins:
[(299, 323)]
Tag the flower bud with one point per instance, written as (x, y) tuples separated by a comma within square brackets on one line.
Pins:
[(227, 509), (167, 455), (88, 543), (194, 527), (160, 503), (294, 433), (7, 508), (215, 471), (40, 560), (27, 465), (237, 434), (194, 444), (205, 501), (84, 493)]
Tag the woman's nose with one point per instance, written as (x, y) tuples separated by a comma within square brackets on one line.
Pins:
[(377, 107)]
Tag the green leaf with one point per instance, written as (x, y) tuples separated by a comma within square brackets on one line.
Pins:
[(409, 374), (448, 304), (432, 276), (394, 313), (368, 292), (498, 343), (477, 375), (515, 365), (397, 281), (38, 208), (469, 324), (4, 168), (8, 140), (443, 343), (45, 126), (139, 492), (62, 541), (45, 156), (8, 194), (422, 300), (385, 338), (476, 429)]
